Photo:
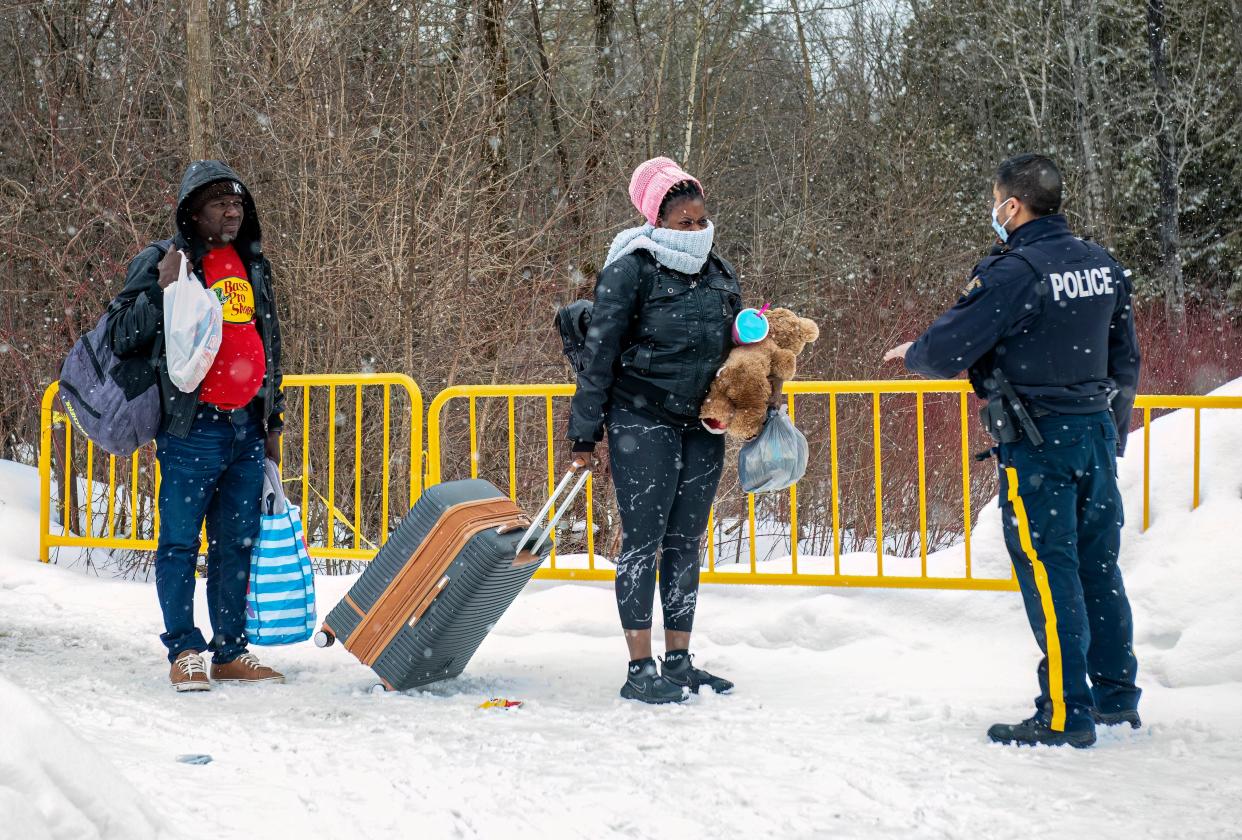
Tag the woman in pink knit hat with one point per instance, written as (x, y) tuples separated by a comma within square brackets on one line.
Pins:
[(660, 329)]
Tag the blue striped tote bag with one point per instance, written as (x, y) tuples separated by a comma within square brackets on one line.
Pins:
[(280, 604)]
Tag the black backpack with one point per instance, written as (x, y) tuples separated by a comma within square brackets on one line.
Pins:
[(572, 322)]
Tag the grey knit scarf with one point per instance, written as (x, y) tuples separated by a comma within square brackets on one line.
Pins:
[(680, 250)]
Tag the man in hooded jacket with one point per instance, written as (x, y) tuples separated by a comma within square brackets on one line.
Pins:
[(212, 442)]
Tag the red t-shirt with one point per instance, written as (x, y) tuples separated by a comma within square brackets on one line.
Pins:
[(237, 374)]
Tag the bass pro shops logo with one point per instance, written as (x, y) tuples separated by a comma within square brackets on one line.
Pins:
[(236, 299)]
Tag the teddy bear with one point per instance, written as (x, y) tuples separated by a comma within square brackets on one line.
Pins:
[(738, 400)]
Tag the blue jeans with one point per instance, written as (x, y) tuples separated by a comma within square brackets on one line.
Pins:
[(1062, 521), (217, 473)]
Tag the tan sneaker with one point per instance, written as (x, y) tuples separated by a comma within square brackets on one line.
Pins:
[(245, 669), (189, 672)]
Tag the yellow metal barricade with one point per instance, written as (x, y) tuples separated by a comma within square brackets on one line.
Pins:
[(106, 513), (826, 574), (752, 573), (1147, 403), (124, 515), (918, 391), (553, 450)]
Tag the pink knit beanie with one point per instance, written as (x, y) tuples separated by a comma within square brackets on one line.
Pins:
[(651, 181)]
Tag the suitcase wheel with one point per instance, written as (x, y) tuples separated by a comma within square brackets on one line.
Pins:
[(379, 688), (324, 639)]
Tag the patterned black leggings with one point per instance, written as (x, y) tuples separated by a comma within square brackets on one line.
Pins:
[(666, 477)]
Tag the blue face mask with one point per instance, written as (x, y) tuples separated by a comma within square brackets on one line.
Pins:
[(999, 226)]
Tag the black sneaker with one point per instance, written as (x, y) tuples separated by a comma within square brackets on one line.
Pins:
[(1033, 732), (678, 668), (644, 683), (1130, 716)]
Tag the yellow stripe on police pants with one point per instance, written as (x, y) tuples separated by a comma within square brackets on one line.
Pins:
[(1056, 687)]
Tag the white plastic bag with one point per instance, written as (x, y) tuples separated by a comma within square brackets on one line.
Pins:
[(776, 458), (192, 324)]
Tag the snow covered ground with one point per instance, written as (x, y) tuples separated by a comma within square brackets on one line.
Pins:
[(857, 714)]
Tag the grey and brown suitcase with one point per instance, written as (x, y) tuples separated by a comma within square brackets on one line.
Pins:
[(442, 581)]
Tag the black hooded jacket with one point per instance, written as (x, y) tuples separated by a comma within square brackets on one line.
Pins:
[(657, 339), (136, 315)]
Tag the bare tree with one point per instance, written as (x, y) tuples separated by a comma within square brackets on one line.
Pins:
[(198, 80), (602, 79), (492, 17), (413, 161), (554, 107), (1081, 41), (1172, 285), (700, 25)]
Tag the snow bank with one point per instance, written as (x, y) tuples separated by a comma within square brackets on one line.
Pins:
[(19, 510), (1184, 575), (54, 786)]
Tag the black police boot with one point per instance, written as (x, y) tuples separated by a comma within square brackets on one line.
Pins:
[(644, 683), (1130, 716), (1033, 732), (678, 668)]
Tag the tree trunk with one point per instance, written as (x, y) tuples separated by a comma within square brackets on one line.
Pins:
[(691, 93), (1081, 54), (604, 15), (65, 474), (558, 137), (1172, 282), (1237, 40), (808, 105), (654, 111), (808, 80), (198, 80), (1101, 121), (459, 33), (496, 58), (554, 107)]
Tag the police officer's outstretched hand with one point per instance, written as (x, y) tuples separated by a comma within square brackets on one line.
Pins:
[(898, 353)]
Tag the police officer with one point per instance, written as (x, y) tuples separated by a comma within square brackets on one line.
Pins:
[(1046, 333)]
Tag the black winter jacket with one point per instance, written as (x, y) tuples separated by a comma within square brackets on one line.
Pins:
[(136, 315), (657, 336)]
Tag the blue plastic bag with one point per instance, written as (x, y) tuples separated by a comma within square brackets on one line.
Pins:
[(776, 458), (280, 604)]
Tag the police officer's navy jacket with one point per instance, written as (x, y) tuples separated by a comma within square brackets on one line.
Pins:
[(657, 338), (1052, 312)]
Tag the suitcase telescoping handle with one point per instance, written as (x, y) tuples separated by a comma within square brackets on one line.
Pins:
[(581, 472)]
